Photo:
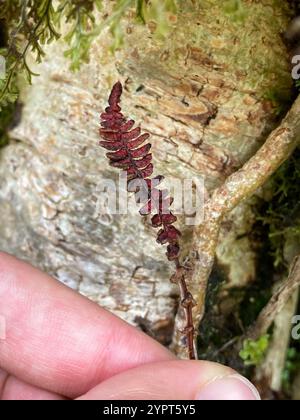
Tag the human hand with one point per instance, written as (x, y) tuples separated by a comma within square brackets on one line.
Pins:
[(56, 344)]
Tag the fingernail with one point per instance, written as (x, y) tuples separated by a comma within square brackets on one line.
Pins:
[(234, 388)]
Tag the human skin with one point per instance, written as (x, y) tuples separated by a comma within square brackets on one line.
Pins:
[(56, 344)]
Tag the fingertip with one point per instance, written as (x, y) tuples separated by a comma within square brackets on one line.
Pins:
[(62, 335), (229, 387), (176, 380)]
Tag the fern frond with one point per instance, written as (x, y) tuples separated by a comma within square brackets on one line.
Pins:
[(128, 152)]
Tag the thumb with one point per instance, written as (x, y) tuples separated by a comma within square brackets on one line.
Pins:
[(175, 380)]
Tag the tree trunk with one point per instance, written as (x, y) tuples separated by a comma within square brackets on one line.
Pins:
[(207, 94)]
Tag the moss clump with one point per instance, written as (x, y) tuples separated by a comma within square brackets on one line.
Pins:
[(292, 367), (235, 9), (253, 352)]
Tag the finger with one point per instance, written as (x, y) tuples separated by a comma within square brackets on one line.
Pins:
[(12, 388), (59, 340), (175, 380)]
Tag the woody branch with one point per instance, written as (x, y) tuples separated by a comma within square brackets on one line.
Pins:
[(238, 187)]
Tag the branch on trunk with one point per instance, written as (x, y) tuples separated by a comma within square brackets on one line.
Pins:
[(238, 187)]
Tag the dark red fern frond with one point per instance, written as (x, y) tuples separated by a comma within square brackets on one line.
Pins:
[(129, 151), (131, 154)]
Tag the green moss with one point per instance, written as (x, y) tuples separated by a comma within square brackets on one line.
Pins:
[(242, 17), (253, 352), (292, 367), (235, 9)]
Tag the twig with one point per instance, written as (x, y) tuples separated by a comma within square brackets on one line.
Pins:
[(279, 311), (238, 187), (226, 346), (268, 375), (276, 303)]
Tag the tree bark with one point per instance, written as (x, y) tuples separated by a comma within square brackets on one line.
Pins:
[(205, 94)]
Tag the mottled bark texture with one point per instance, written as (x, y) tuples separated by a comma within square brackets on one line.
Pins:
[(205, 96)]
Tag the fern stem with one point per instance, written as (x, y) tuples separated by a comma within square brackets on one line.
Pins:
[(187, 303), (129, 154)]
